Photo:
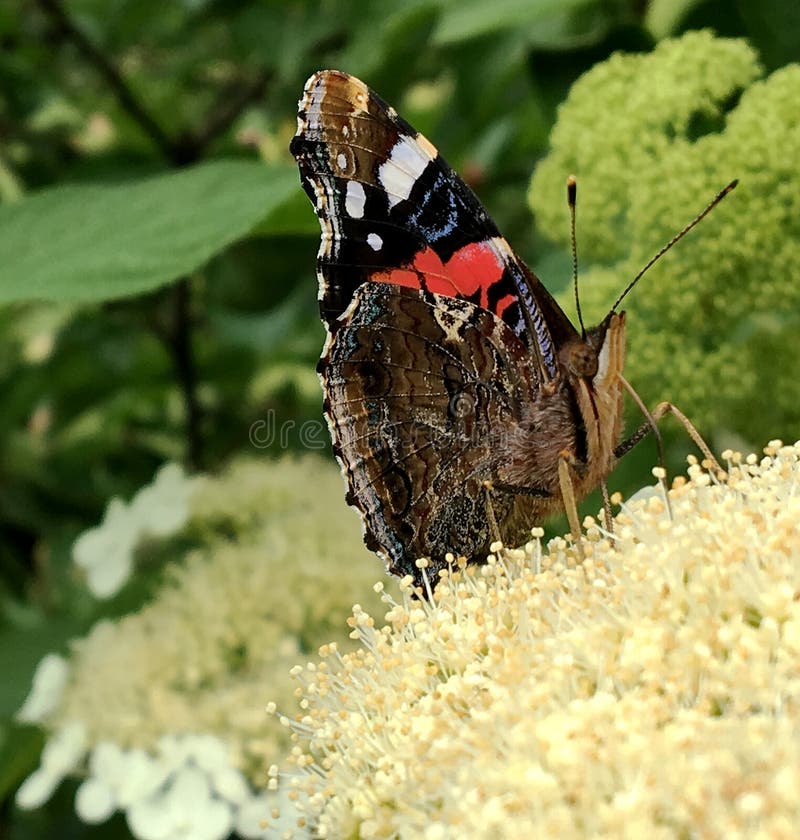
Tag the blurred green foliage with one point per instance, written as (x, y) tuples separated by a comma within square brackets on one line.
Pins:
[(157, 255), (651, 138)]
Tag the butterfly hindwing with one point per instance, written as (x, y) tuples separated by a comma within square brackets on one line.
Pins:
[(419, 390)]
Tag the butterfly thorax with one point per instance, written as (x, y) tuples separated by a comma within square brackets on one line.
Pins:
[(577, 416)]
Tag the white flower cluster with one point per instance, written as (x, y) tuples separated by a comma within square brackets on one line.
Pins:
[(161, 713), (651, 690), (105, 553), (185, 790)]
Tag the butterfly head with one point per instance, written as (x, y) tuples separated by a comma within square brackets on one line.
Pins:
[(593, 365), (599, 355)]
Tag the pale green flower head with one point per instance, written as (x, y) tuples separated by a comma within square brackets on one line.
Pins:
[(652, 138)]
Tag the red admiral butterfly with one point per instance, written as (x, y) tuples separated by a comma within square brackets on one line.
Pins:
[(457, 392)]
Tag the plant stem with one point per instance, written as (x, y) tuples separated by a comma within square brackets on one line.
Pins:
[(186, 369)]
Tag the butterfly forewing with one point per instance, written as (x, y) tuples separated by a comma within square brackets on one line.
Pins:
[(393, 210)]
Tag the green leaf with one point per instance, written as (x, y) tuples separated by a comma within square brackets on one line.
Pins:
[(546, 22), (99, 242)]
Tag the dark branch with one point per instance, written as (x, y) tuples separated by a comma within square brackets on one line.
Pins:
[(109, 72), (189, 147), (221, 116), (180, 343)]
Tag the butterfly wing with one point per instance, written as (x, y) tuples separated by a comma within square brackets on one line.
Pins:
[(420, 389), (392, 210), (440, 338)]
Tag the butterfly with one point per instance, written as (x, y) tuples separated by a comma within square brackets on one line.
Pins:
[(462, 403)]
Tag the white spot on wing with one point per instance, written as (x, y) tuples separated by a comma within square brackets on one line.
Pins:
[(375, 242), (406, 163), (341, 160), (355, 199)]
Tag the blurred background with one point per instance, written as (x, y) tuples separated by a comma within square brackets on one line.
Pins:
[(157, 285)]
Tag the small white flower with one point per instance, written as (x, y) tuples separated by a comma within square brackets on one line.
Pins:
[(149, 820), (48, 684), (161, 508), (64, 751), (209, 752), (186, 810), (173, 750), (105, 552), (61, 754), (37, 789), (95, 801), (231, 785), (131, 775), (143, 775), (106, 762)]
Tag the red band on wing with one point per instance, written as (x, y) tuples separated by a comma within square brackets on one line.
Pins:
[(472, 269), (426, 265)]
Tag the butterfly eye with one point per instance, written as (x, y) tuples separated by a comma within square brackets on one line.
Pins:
[(579, 358)]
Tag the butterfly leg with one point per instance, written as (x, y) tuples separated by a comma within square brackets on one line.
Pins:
[(491, 486), (494, 529), (608, 515), (519, 490), (566, 465), (651, 426), (566, 462)]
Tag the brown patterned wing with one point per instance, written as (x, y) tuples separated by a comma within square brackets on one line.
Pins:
[(418, 387)]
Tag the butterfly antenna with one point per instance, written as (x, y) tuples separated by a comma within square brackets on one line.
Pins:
[(678, 236), (572, 199)]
